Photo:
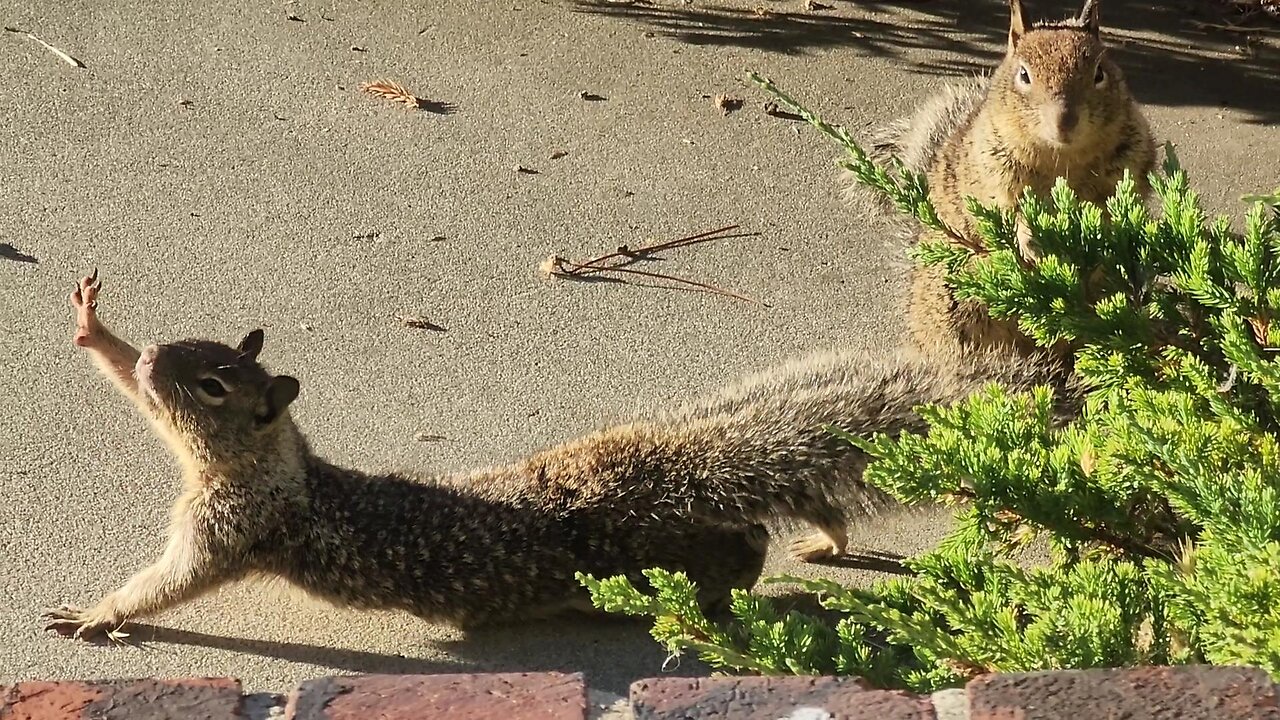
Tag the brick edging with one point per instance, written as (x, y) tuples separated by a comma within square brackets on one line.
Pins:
[(1157, 693)]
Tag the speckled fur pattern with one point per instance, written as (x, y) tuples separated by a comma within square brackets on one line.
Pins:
[(694, 488)]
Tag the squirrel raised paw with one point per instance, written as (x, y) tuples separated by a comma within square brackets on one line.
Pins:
[(691, 489), (1056, 106)]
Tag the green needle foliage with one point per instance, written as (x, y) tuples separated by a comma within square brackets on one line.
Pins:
[(1160, 501)]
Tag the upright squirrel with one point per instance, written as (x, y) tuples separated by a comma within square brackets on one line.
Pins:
[(691, 489), (1057, 106)]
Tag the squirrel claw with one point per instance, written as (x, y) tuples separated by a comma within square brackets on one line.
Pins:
[(85, 301), (73, 622)]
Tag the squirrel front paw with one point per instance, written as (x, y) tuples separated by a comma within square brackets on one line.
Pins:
[(85, 300), (73, 622), (1027, 243)]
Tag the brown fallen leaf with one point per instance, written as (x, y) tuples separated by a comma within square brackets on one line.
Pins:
[(392, 91), (812, 5), (525, 170), (727, 103), (559, 154), (429, 437), (762, 12)]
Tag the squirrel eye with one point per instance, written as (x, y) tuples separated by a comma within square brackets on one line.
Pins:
[(1024, 75), (213, 388), (1099, 76)]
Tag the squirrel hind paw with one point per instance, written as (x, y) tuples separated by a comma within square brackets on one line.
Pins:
[(816, 547)]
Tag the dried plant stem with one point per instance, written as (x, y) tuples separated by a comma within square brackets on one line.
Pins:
[(558, 266), (593, 265), (574, 269), (63, 55), (1245, 29)]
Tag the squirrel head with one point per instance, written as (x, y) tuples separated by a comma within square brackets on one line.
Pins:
[(1058, 84), (216, 400)]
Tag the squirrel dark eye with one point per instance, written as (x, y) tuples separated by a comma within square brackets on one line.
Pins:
[(1024, 75), (213, 388), (1099, 76)]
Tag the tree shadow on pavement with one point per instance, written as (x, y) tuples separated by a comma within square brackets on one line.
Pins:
[(1168, 55), (777, 28)]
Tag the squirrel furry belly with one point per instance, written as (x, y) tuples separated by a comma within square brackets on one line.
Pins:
[(691, 489), (1056, 106)]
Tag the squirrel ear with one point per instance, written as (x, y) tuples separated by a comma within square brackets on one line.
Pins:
[(251, 345), (1016, 26), (282, 391), (1089, 16)]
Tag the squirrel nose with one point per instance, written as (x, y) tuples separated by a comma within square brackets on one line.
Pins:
[(1067, 121), (1057, 121), (148, 354)]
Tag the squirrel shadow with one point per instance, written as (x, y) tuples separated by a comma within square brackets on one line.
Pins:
[(612, 652), (870, 560), (1184, 65)]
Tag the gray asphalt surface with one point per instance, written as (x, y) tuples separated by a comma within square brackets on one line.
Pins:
[(280, 197)]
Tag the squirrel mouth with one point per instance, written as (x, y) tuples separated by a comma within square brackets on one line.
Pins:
[(1056, 140)]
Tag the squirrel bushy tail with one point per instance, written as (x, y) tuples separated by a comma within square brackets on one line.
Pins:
[(761, 449)]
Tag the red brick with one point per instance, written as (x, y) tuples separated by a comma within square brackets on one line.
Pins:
[(501, 696), (1199, 692), (771, 698), (189, 698)]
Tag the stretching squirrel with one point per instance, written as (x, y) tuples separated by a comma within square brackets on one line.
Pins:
[(1057, 106), (691, 489)]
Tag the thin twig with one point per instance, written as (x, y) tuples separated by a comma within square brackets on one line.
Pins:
[(558, 266), (65, 57), (576, 270), (632, 254), (1098, 534), (1245, 29)]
